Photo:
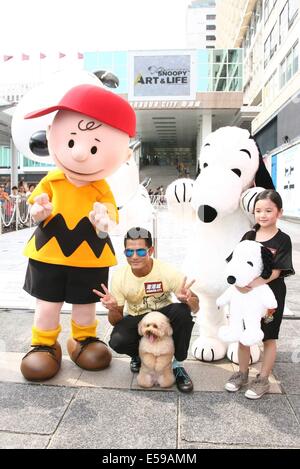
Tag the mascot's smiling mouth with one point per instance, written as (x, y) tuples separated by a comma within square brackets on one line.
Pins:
[(75, 172)]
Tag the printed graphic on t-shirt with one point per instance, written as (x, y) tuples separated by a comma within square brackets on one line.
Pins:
[(153, 287), (273, 251), (153, 303)]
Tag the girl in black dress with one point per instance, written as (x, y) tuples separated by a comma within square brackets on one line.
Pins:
[(267, 210)]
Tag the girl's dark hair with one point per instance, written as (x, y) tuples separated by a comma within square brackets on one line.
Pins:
[(272, 195), (266, 194)]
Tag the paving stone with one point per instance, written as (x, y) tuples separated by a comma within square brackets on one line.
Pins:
[(117, 376), (10, 371), (288, 374), (224, 418), (23, 441), (288, 350), (15, 333), (294, 401), (208, 376), (103, 418), (32, 408)]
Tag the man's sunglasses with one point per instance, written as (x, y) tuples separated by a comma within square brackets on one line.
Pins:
[(141, 252)]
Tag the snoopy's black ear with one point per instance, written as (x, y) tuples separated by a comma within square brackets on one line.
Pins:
[(262, 177), (229, 257), (107, 78), (38, 143), (267, 258)]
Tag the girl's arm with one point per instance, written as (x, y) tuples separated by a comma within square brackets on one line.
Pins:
[(257, 282)]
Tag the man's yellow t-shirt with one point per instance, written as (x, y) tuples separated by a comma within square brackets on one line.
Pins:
[(149, 293)]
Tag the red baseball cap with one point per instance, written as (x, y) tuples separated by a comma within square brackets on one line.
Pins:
[(98, 103)]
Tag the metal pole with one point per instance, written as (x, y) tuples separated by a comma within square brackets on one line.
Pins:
[(154, 224), (14, 164)]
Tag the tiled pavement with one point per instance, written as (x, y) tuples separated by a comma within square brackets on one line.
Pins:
[(80, 409)]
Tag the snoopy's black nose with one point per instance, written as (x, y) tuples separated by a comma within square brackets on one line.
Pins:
[(206, 213), (231, 279)]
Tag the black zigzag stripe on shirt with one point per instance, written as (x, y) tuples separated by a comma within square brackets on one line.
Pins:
[(70, 240)]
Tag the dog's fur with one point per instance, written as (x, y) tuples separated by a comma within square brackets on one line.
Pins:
[(156, 351)]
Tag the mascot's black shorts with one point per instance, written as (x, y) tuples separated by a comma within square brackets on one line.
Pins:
[(57, 283)]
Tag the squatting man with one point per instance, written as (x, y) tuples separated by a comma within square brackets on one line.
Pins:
[(146, 284)]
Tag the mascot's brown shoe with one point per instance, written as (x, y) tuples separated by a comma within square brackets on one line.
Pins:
[(42, 362), (90, 354)]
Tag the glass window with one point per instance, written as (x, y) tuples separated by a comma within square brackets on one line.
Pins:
[(220, 84), (210, 38), (210, 17), (282, 79), (289, 66), (296, 58), (293, 8), (283, 23), (267, 9), (271, 44), (220, 55), (210, 27)]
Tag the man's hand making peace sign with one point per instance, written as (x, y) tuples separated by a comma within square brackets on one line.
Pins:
[(115, 312), (185, 295)]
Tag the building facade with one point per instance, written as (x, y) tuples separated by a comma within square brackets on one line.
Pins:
[(269, 33), (179, 96), (201, 24)]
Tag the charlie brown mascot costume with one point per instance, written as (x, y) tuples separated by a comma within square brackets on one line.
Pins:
[(70, 252)]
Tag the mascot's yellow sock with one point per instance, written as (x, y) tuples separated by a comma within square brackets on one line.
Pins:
[(40, 337), (82, 332)]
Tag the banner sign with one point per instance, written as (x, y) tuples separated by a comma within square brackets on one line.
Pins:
[(166, 76), (288, 179)]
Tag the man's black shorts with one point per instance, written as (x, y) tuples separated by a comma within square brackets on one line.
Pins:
[(57, 283)]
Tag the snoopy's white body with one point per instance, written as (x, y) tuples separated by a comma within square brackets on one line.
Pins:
[(222, 201), (246, 311)]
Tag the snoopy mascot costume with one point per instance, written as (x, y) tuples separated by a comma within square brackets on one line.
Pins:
[(232, 173)]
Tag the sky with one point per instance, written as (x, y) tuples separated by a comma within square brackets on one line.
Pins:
[(48, 26)]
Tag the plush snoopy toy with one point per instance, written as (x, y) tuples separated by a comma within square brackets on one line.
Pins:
[(249, 261), (232, 173)]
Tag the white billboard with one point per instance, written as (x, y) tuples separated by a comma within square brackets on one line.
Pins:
[(288, 180), (161, 75)]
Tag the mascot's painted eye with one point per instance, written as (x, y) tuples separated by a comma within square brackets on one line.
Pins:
[(237, 172), (247, 152), (71, 143), (250, 263), (205, 165), (94, 150)]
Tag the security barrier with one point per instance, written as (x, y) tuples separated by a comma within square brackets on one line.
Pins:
[(14, 214)]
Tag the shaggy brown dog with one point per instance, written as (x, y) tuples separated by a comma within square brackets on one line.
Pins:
[(156, 351)]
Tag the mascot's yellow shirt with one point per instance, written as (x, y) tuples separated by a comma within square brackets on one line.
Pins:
[(67, 237)]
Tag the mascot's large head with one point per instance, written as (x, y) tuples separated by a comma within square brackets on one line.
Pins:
[(30, 137), (89, 136), (230, 162), (248, 261)]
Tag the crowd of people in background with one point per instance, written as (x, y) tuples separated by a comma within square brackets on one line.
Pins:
[(157, 195), (22, 190), (12, 198)]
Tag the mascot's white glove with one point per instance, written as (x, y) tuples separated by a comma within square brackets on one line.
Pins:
[(100, 219), (42, 208)]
